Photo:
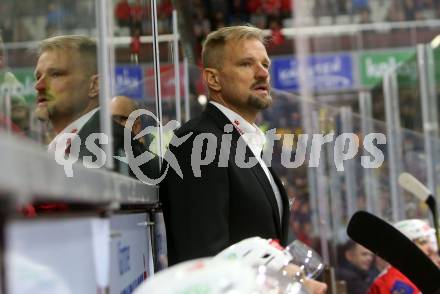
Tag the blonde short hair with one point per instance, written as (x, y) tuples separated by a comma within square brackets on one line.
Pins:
[(213, 46), (85, 46)]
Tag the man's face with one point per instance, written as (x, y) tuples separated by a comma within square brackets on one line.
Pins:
[(63, 85), (244, 76), (360, 257), (121, 108), (425, 244)]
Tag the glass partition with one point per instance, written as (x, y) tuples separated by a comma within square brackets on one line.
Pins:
[(409, 95), (322, 208), (143, 60), (433, 76), (125, 63)]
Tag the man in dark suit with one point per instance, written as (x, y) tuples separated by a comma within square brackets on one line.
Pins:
[(68, 96), (220, 202)]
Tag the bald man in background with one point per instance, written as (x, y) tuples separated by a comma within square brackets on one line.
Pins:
[(121, 107)]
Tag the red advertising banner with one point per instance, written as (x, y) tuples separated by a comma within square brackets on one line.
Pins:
[(167, 82)]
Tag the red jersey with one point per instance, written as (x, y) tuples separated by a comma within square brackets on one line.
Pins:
[(391, 281), (277, 37), (135, 45)]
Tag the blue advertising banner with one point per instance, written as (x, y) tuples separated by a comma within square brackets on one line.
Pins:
[(329, 72), (129, 81)]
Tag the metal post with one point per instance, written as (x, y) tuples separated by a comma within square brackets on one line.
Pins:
[(300, 15), (176, 67), (335, 202), (433, 109), (430, 127), (349, 169), (186, 87), (371, 183), (157, 80), (302, 54), (106, 73), (393, 141), (313, 190), (322, 199)]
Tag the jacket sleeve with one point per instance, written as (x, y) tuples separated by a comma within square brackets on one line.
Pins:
[(376, 289), (195, 208), (379, 286)]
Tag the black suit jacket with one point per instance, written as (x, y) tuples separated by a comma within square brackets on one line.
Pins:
[(358, 281), (203, 215), (150, 168)]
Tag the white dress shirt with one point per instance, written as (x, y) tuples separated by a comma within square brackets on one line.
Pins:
[(255, 139)]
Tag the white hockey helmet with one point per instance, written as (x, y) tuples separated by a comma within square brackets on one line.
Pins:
[(257, 251), (415, 228), (202, 276)]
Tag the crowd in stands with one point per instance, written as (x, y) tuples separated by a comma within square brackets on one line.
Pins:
[(136, 16), (34, 21), (274, 14), (269, 14), (396, 10)]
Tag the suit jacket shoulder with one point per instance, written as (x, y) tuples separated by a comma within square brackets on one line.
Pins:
[(212, 120)]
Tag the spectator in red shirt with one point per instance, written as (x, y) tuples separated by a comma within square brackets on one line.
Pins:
[(122, 13), (136, 14), (277, 36), (164, 15), (286, 8), (253, 6), (135, 46), (271, 7), (165, 8)]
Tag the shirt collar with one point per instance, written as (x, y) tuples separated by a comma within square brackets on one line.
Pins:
[(246, 129), (73, 127)]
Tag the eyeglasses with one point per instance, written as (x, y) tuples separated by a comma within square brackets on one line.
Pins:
[(122, 119)]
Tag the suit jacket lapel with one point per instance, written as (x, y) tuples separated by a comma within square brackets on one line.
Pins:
[(265, 184), (221, 120), (286, 205), (91, 126)]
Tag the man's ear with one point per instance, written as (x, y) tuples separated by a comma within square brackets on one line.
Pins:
[(94, 86), (211, 76), (137, 126), (348, 255)]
